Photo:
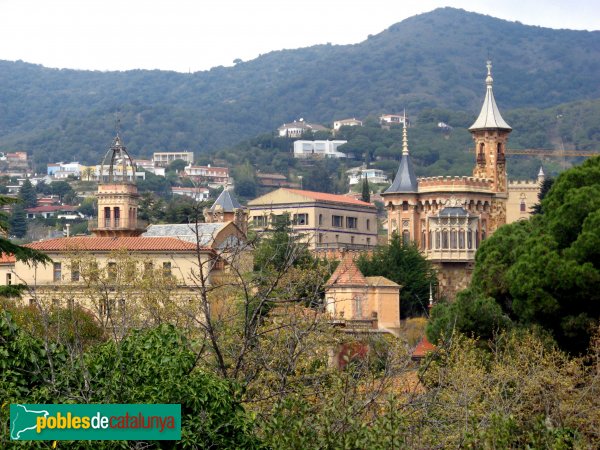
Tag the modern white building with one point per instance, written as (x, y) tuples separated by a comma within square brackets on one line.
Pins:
[(64, 170), (163, 159), (318, 149), (358, 174), (197, 193), (397, 119)]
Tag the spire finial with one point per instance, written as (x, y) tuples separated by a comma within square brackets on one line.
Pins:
[(404, 137), (489, 80), (430, 297)]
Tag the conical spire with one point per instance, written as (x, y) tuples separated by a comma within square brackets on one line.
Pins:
[(226, 201), (405, 180), (489, 117)]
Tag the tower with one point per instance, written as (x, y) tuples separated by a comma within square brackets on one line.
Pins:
[(401, 196), (227, 208), (117, 195), (490, 133)]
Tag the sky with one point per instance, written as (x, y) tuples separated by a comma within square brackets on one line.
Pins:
[(193, 35)]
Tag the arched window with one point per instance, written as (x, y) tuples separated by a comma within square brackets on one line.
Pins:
[(423, 239), (404, 206), (499, 149), (430, 242), (405, 237), (469, 239), (523, 206), (461, 239), (444, 239), (437, 239)]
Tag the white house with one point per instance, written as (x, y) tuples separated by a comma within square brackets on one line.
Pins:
[(346, 123), (197, 193), (358, 174), (318, 149), (298, 127)]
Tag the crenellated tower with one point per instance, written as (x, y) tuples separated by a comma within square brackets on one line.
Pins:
[(117, 195), (490, 133)]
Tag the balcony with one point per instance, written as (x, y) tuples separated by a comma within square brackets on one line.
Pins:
[(451, 255)]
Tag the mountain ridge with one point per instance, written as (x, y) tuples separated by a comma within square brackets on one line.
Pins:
[(432, 60)]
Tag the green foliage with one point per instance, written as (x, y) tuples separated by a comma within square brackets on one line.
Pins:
[(405, 265), (217, 108), (63, 190), (546, 271), (366, 192), (176, 166), (18, 221), (281, 249), (28, 195), (471, 314)]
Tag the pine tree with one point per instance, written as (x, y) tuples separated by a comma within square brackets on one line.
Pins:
[(366, 192), (28, 195), (18, 221)]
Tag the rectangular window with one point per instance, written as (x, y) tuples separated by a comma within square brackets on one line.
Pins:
[(8, 279), (111, 271), (351, 222), (167, 269), (74, 271), (368, 241), (300, 219), (352, 240), (453, 239), (405, 237), (57, 273), (320, 219), (337, 221), (469, 239), (461, 239), (368, 224), (148, 269), (259, 221), (445, 239)]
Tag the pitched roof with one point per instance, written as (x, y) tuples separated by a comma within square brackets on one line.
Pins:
[(328, 197), (5, 258), (347, 273), (489, 117), (90, 243), (186, 231), (381, 281), (51, 208), (226, 201), (423, 348), (453, 211)]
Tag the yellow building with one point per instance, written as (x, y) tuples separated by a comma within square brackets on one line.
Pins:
[(323, 221), (360, 303), (116, 266)]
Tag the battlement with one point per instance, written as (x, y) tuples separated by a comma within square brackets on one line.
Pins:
[(524, 183), (457, 183)]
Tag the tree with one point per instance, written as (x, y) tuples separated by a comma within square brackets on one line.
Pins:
[(61, 188), (366, 192), (176, 166), (405, 265), (7, 247), (18, 221), (546, 271), (28, 195)]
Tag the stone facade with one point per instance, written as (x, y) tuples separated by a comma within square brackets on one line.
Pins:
[(449, 217)]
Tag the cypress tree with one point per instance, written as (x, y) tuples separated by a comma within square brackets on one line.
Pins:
[(366, 192), (28, 195), (18, 221)]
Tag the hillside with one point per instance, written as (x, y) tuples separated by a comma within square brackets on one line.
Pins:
[(433, 60)]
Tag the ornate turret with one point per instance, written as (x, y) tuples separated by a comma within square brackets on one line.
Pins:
[(227, 208), (405, 180), (490, 133), (117, 195)]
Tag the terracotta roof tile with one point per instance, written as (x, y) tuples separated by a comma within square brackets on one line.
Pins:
[(90, 243), (5, 258), (329, 197), (347, 273), (423, 348)]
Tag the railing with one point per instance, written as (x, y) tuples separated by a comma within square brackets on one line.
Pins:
[(116, 224), (451, 254)]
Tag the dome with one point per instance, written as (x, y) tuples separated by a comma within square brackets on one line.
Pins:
[(117, 166)]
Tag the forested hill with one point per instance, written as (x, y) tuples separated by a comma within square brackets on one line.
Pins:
[(433, 60)]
